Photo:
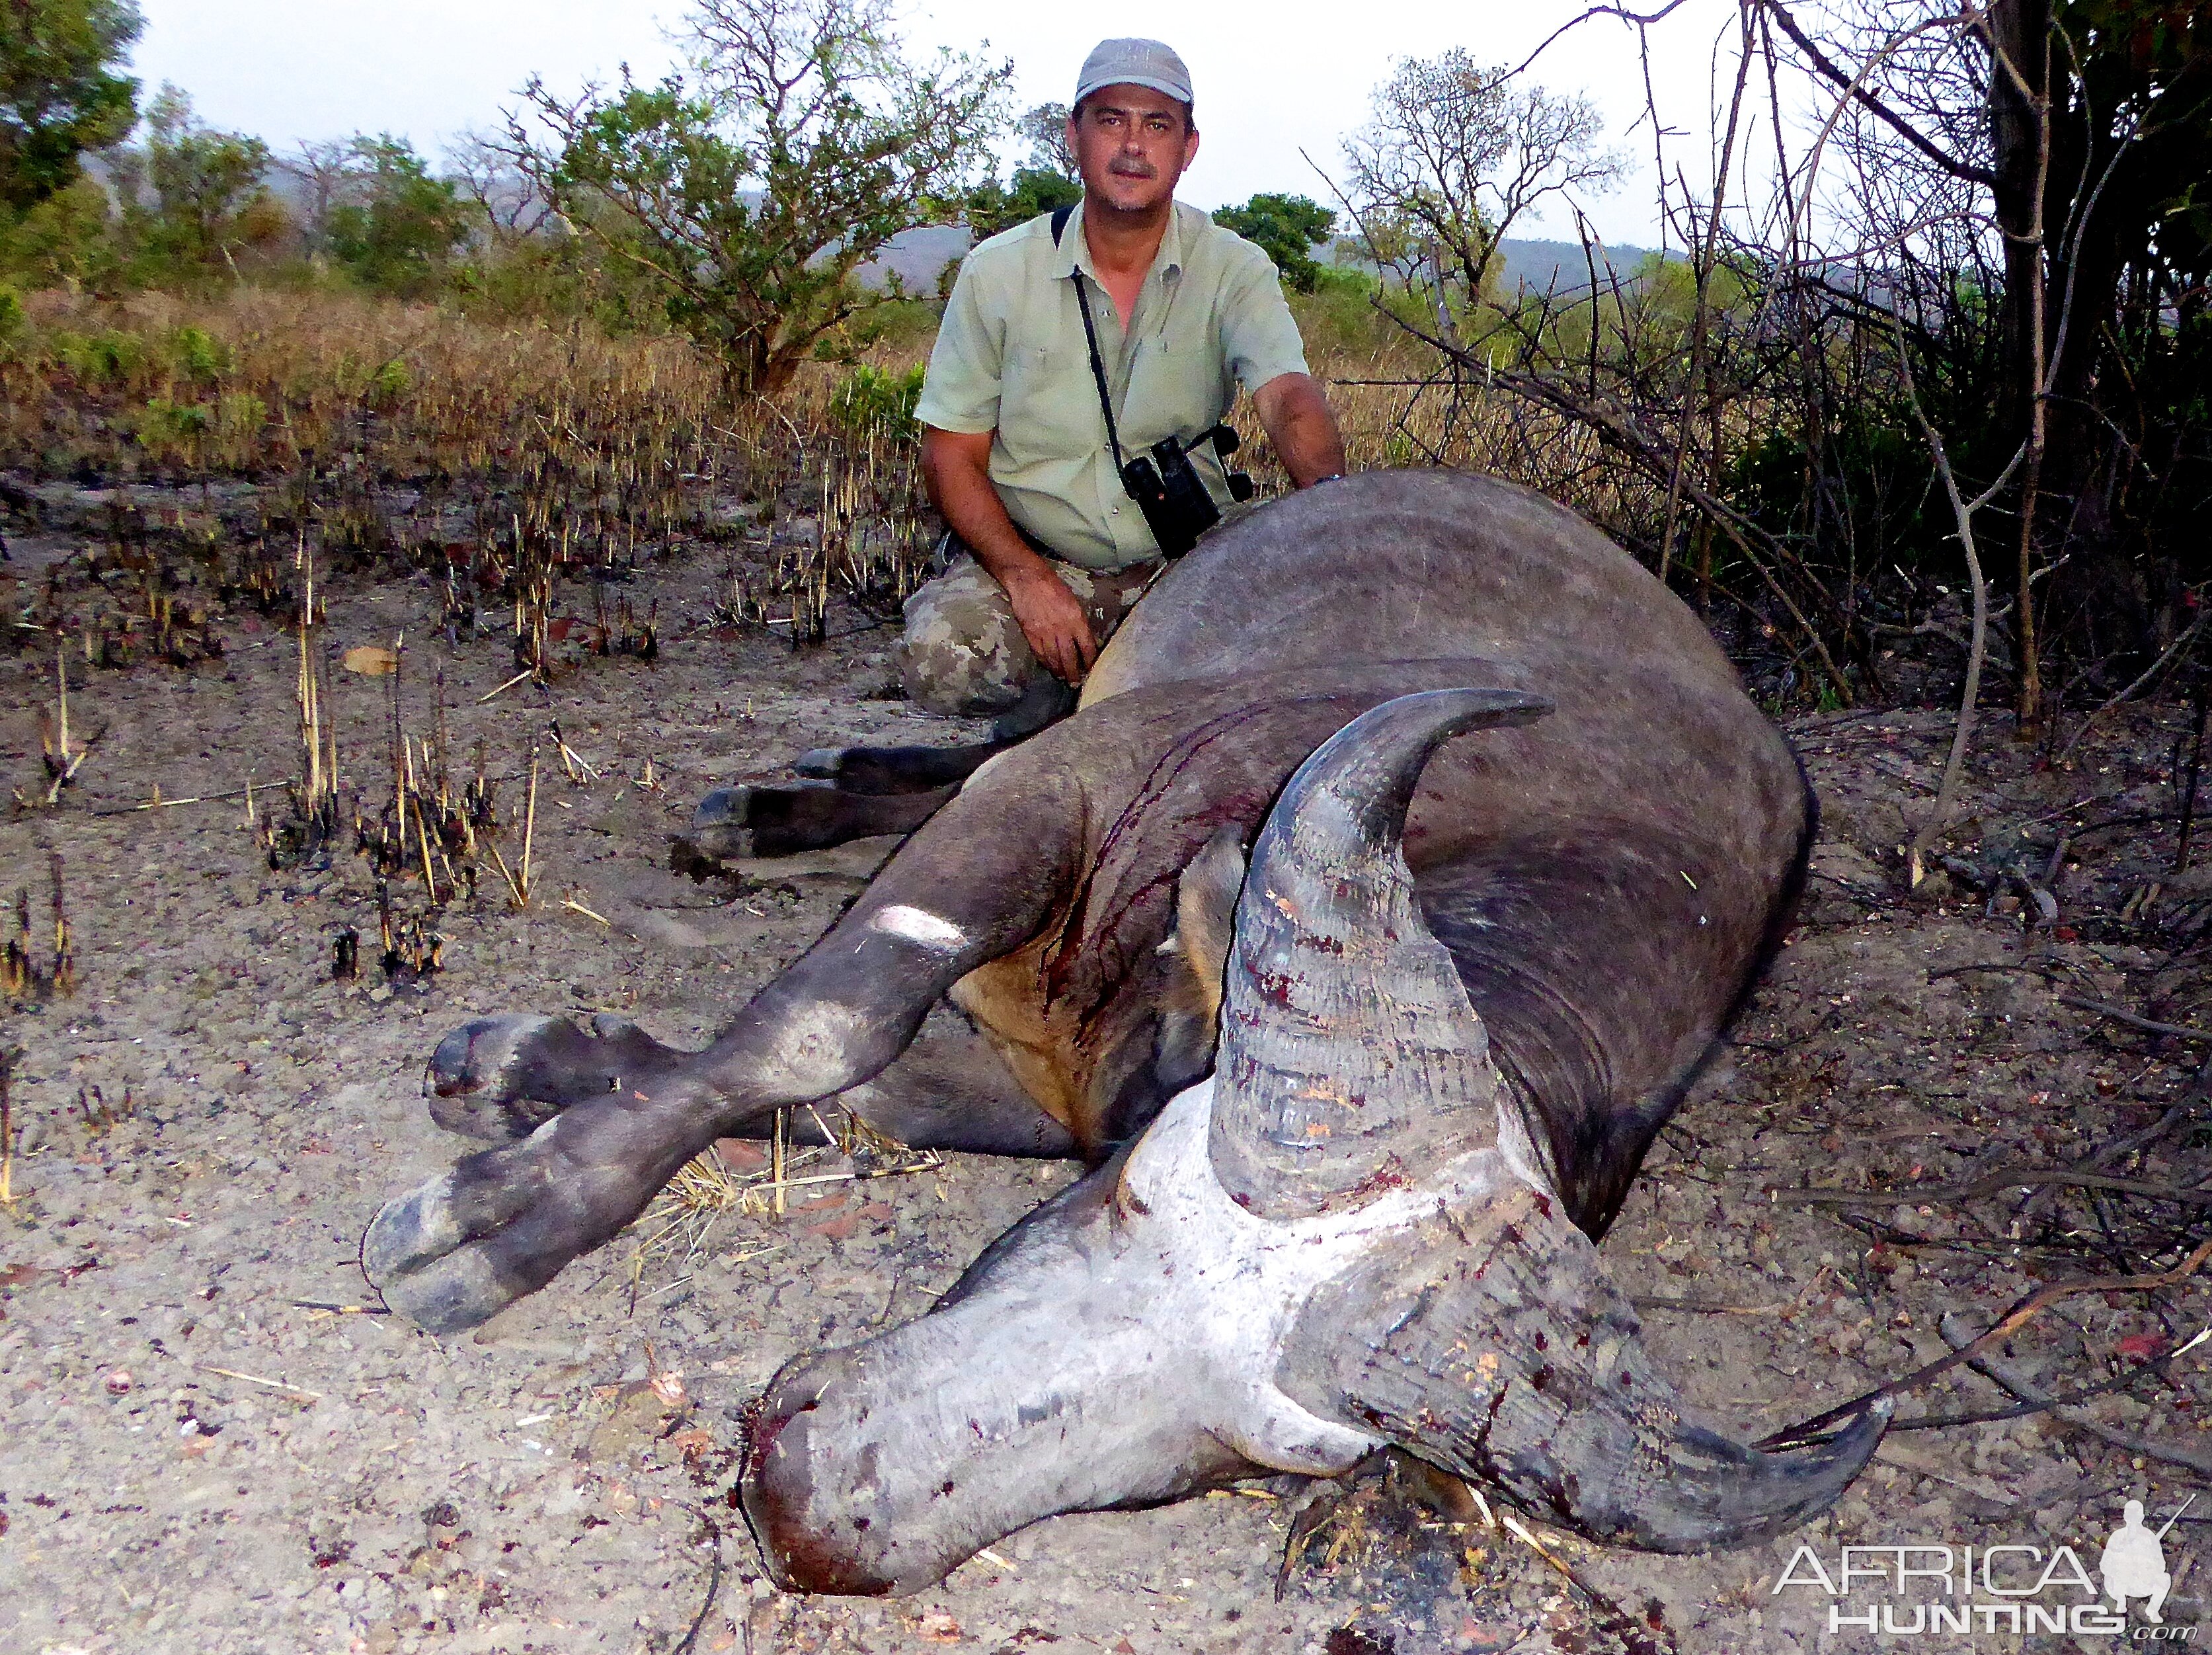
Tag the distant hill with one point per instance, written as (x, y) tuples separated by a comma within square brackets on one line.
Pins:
[(1562, 267), (919, 256)]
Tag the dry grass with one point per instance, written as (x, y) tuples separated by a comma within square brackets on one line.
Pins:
[(506, 458), (500, 458), (709, 1191)]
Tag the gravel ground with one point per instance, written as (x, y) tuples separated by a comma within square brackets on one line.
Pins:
[(215, 1442)]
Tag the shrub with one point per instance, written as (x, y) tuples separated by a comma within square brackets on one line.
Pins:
[(1285, 229), (871, 402), (197, 358)]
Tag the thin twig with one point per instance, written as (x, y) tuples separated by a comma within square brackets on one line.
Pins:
[(1818, 1428), (2149, 1025), (273, 1385), (2149, 1447), (1909, 1194)]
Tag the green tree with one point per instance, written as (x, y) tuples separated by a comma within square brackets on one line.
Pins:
[(59, 91), (1285, 227), (750, 195), (400, 225), (208, 197), (992, 207)]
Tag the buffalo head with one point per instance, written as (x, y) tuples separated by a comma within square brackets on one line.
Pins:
[(1348, 1237)]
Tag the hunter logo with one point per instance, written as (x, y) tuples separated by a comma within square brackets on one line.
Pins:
[(2134, 1564), (1916, 1590)]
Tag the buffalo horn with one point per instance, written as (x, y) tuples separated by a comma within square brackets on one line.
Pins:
[(1348, 1047), (1492, 1343)]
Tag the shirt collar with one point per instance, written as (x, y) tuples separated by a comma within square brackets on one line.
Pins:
[(1074, 252)]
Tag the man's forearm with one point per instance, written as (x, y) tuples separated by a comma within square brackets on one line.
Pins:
[(959, 484), (1296, 416)]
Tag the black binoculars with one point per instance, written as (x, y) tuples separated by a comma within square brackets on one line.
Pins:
[(1167, 490)]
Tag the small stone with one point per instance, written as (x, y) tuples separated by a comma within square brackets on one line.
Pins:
[(119, 1381)]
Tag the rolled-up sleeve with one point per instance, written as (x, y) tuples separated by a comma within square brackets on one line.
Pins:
[(960, 391), (1259, 340)]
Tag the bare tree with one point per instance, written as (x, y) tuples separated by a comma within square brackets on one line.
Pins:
[(322, 174), (1459, 154), (1045, 126), (512, 209)]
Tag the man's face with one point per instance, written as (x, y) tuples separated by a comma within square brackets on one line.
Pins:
[(1131, 144)]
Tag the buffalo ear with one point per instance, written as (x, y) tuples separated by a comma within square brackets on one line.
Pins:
[(1198, 955), (1205, 915)]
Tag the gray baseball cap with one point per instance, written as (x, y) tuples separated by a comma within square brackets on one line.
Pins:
[(1133, 63)]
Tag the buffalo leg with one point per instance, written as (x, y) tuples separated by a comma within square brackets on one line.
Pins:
[(895, 769), (499, 1080), (949, 1090), (777, 819), (501, 1223)]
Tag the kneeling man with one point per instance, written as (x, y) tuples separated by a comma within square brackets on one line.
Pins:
[(1031, 407)]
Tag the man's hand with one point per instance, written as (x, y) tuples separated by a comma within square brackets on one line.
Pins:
[(957, 466), (1295, 415), (1052, 619)]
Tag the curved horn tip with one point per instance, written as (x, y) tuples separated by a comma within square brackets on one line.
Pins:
[(1374, 764), (1759, 1495)]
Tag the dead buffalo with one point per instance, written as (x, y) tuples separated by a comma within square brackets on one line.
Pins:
[(1464, 987)]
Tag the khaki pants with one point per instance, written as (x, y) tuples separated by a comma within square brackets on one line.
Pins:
[(963, 655)]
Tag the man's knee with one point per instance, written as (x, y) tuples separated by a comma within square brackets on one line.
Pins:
[(961, 654)]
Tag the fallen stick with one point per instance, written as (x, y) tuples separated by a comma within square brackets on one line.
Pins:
[(1907, 1194), (1996, 1372), (1706, 1306), (1812, 1431), (2119, 1014), (570, 901), (509, 684), (273, 1385), (159, 803)]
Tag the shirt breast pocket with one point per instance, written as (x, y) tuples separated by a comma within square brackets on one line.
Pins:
[(1035, 385), (1178, 387)]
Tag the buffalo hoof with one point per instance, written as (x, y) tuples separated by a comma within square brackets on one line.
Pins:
[(765, 820), (894, 769), (501, 1223), (501, 1078), (784, 818)]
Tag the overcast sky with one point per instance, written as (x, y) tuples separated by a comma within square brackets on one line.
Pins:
[(1270, 79)]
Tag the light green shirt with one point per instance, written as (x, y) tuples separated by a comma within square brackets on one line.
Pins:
[(1011, 359)]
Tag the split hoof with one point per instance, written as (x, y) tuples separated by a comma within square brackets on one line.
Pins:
[(499, 1078), (424, 1252), (500, 1224), (732, 823), (721, 828)]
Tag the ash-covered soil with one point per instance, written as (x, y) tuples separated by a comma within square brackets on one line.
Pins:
[(215, 1442)]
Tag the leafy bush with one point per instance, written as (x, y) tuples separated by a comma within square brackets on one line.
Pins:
[(749, 214), (105, 358), (1338, 317), (405, 225), (1285, 229), (871, 402), (59, 93), (196, 357), (992, 207)]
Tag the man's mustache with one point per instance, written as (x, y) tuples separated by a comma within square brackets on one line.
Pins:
[(1131, 167)]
